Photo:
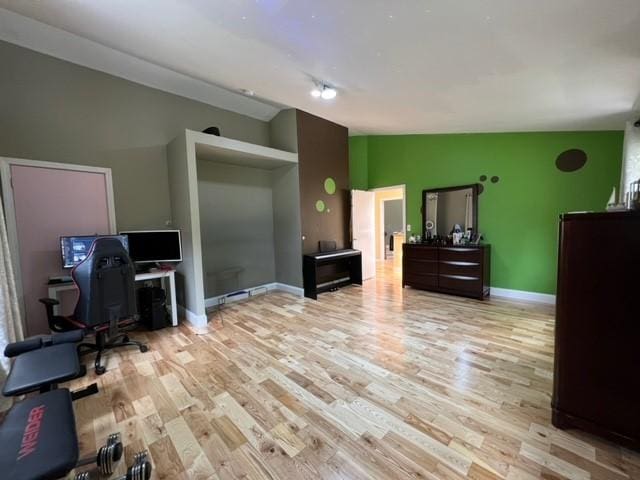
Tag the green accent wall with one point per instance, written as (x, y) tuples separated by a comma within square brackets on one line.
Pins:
[(518, 215), (358, 163)]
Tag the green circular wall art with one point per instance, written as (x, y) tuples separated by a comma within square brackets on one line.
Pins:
[(330, 186), (320, 206)]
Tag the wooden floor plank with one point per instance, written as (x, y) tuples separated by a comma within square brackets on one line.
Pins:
[(377, 382)]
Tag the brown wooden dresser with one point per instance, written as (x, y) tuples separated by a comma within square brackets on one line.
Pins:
[(458, 270), (596, 386)]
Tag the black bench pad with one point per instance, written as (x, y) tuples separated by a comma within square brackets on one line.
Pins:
[(41, 367), (38, 438)]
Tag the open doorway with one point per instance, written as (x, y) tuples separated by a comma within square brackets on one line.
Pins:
[(390, 222)]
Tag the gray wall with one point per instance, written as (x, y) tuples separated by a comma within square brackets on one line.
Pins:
[(57, 111), (184, 207), (393, 216), (283, 130), (236, 225), (287, 226)]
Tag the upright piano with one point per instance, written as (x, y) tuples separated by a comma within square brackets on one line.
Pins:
[(326, 271)]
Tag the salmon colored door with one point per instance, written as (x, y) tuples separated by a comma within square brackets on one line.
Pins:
[(50, 203)]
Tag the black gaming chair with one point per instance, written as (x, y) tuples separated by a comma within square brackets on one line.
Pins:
[(106, 302)]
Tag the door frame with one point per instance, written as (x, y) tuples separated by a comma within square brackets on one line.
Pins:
[(402, 187), (10, 212)]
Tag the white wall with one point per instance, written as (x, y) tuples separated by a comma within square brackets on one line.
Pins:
[(631, 158)]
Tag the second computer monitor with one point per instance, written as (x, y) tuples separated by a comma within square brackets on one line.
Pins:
[(154, 246)]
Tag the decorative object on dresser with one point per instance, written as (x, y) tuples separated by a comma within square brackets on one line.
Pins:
[(454, 269), (597, 335)]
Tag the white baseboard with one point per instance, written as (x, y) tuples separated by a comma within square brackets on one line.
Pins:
[(197, 321), (213, 301), (523, 295), (297, 291)]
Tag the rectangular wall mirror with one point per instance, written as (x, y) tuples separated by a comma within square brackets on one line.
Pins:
[(442, 208)]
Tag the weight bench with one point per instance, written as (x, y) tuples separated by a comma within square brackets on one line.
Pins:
[(41, 363), (38, 436)]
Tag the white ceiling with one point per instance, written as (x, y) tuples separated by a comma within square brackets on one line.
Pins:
[(402, 66)]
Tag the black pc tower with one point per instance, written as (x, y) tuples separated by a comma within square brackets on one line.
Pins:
[(152, 307)]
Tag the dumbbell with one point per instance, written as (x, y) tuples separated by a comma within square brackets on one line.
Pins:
[(106, 458), (140, 470)]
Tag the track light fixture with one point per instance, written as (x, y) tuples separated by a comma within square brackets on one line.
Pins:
[(324, 91)]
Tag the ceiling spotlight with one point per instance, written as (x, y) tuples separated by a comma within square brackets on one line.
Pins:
[(323, 91), (328, 93)]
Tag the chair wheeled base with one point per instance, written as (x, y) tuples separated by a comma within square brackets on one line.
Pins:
[(103, 343)]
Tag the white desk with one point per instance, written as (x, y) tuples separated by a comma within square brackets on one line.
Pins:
[(163, 275)]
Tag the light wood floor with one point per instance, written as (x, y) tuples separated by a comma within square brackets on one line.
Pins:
[(367, 383)]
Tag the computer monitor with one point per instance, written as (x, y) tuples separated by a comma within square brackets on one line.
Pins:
[(154, 246), (75, 249)]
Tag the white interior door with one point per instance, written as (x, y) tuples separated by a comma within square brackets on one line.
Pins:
[(363, 219)]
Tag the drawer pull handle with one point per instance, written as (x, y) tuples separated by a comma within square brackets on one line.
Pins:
[(462, 264), (461, 277)]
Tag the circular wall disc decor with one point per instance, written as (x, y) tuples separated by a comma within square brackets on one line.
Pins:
[(495, 179), (320, 206), (330, 186), (571, 160), (483, 178), (480, 188)]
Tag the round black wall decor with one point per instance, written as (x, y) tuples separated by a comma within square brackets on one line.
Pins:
[(495, 179), (571, 160), (483, 178), (480, 188)]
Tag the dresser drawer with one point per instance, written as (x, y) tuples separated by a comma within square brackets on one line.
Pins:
[(461, 254), (429, 280), (460, 267), (420, 252), (460, 283), (419, 266)]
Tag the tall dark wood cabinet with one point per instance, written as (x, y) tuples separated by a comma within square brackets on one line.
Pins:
[(597, 347), (458, 270)]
